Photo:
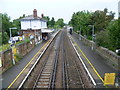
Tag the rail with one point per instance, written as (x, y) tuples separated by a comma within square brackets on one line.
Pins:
[(26, 77), (53, 75), (64, 69), (87, 71)]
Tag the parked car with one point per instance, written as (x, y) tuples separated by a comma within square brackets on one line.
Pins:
[(14, 39), (118, 51), (11, 41)]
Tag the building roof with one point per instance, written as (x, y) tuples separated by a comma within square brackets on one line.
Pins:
[(31, 17), (47, 30)]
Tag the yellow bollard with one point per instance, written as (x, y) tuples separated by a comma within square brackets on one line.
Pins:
[(109, 79)]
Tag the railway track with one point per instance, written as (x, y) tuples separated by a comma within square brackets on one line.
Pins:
[(42, 74), (72, 73), (64, 65), (58, 67), (47, 76)]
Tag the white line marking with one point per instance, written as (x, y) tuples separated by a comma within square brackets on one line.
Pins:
[(93, 81)]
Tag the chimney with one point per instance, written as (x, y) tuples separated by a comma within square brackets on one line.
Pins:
[(35, 13)]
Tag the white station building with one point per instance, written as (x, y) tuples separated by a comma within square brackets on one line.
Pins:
[(32, 25)]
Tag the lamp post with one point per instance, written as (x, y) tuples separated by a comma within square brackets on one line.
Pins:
[(10, 31), (93, 33), (10, 39), (80, 33)]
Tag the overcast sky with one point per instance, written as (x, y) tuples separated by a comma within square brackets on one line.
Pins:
[(55, 8)]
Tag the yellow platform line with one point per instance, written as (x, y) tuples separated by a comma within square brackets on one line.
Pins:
[(26, 66), (89, 61)]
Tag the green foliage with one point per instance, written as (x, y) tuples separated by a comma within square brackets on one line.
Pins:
[(52, 22), (102, 39), (4, 38), (22, 16), (19, 42), (27, 40), (6, 24), (89, 37), (16, 23), (60, 23), (48, 20), (4, 47), (110, 37), (107, 30), (114, 35), (101, 19), (18, 57), (0, 38), (79, 20)]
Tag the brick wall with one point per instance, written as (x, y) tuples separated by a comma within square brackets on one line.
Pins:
[(30, 46), (6, 57), (22, 50)]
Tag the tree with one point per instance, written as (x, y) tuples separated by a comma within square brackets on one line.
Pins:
[(52, 22), (107, 29), (79, 20), (102, 39), (22, 16), (16, 23), (5, 37), (100, 19), (110, 37), (114, 35), (0, 38), (6, 24), (48, 20), (60, 23)]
